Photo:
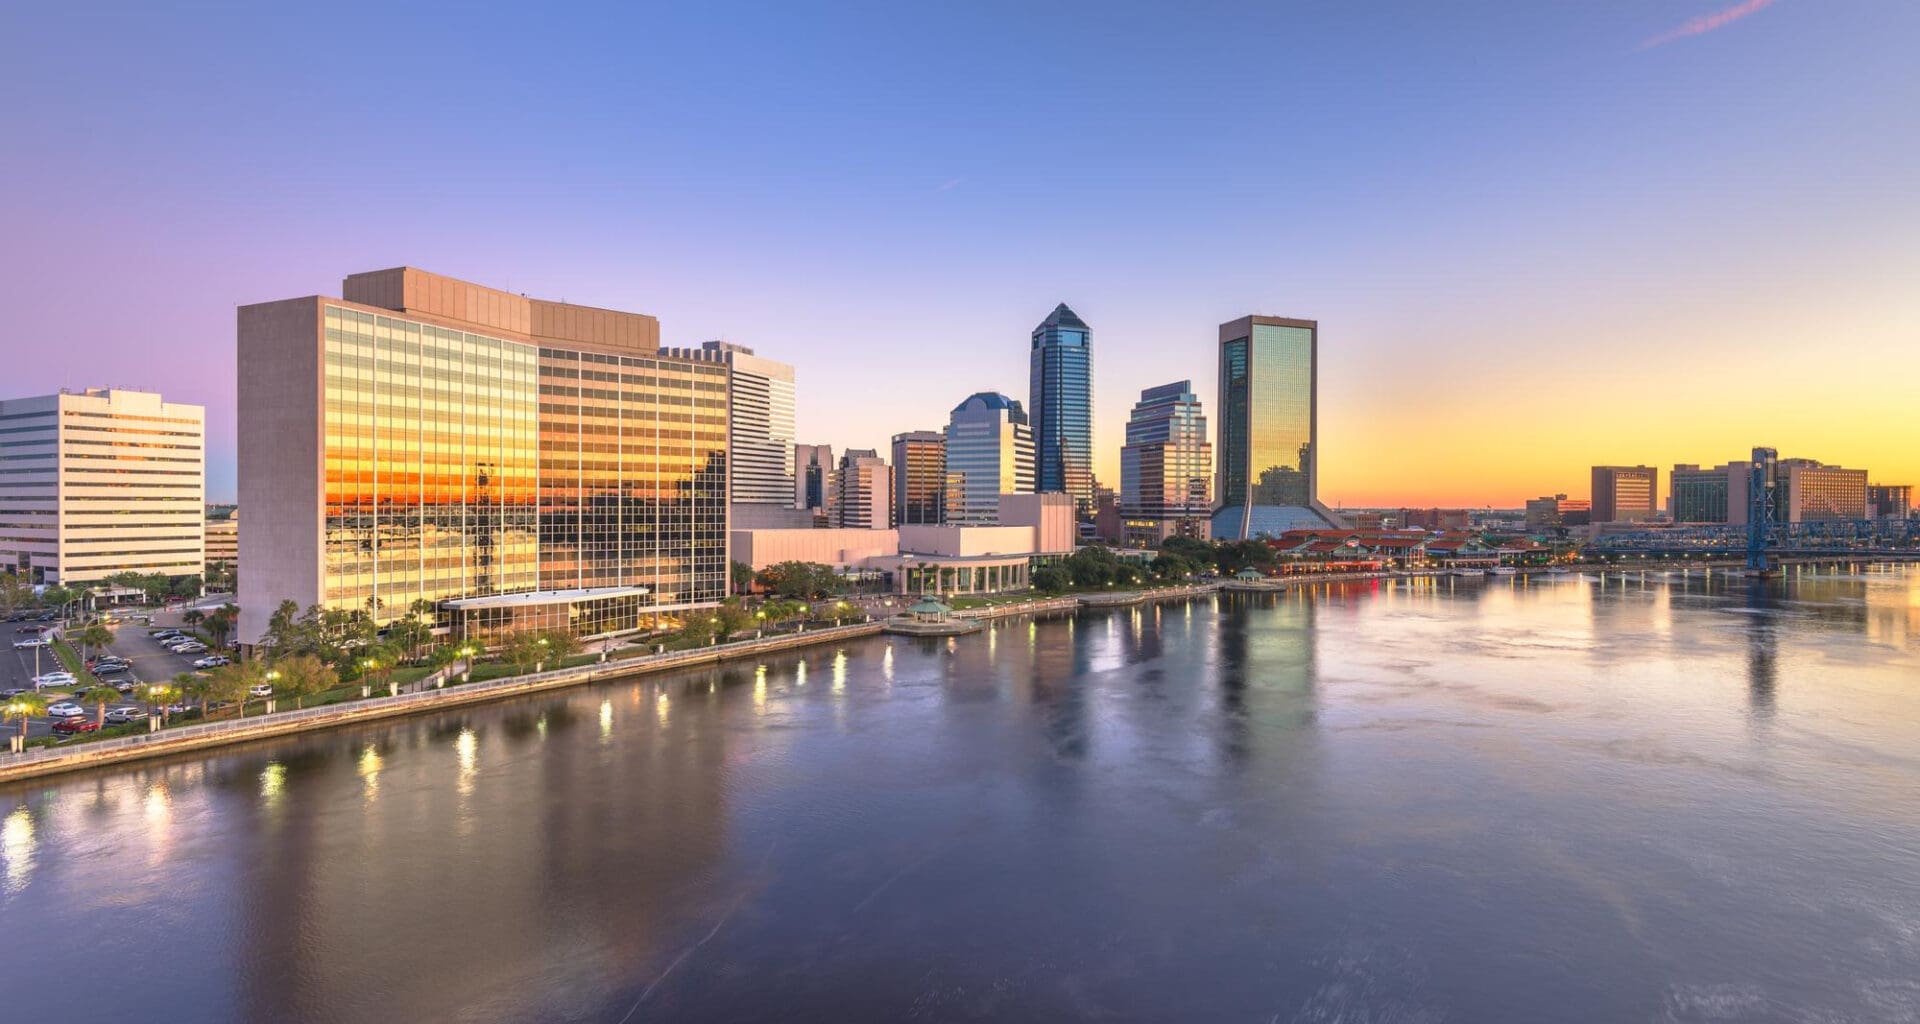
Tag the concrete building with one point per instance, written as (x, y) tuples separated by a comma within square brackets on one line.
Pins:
[(989, 452), (1269, 429), (813, 478), (760, 446), (1625, 494), (1889, 501), (1032, 528), (863, 491), (506, 459), (1060, 400), (100, 482), (222, 532), (919, 478), (1166, 468), (1435, 518), (1811, 491)]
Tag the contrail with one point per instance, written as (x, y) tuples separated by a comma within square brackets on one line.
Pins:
[(1707, 23)]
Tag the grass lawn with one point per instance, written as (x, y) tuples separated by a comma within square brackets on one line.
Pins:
[(69, 660)]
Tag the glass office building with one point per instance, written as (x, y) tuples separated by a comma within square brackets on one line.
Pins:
[(1060, 390), (1704, 495), (919, 478), (1166, 466), (423, 440), (989, 452), (1266, 482)]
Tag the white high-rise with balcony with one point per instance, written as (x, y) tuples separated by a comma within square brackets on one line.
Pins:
[(100, 482)]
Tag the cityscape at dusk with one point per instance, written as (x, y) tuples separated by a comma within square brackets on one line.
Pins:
[(1377, 513)]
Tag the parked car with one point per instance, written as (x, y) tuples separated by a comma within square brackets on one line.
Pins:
[(41, 682), (32, 629), (109, 668), (191, 649), (213, 661), (11, 692), (260, 690), (76, 725), (65, 709), (29, 643), (163, 632), (125, 685), (121, 716)]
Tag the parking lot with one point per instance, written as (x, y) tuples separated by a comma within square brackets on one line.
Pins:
[(147, 662)]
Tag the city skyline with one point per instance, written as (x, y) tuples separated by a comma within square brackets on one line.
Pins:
[(1489, 265)]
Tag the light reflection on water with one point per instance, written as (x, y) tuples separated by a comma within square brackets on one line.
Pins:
[(1655, 796)]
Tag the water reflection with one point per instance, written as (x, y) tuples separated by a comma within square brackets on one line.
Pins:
[(16, 847), (1349, 803)]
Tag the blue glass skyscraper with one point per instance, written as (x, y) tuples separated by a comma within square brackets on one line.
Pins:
[(1060, 394)]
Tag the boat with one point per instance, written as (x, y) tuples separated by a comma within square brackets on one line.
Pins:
[(1558, 570), (1467, 572), (1503, 570)]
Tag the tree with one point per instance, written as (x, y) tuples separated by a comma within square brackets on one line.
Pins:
[(92, 638), (741, 574), (1051, 579), (192, 618), (16, 592), (25, 706), (302, 676), (782, 611), (193, 687), (231, 683), (803, 580), (100, 696), (1169, 566), (734, 617), (186, 586), (58, 598), (1092, 566), (154, 696), (410, 633), (524, 650), (220, 623)]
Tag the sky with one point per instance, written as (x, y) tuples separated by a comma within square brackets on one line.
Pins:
[(1537, 236)]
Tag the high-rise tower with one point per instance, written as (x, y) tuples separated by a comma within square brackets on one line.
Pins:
[(1269, 429), (1061, 396)]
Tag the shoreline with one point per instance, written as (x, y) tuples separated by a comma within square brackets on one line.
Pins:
[(47, 761)]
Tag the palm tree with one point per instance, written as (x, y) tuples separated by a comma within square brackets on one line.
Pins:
[(154, 696), (192, 686), (193, 618), (100, 697), (220, 622), (24, 707), (92, 639)]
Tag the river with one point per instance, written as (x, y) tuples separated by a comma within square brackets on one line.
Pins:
[(1670, 797)]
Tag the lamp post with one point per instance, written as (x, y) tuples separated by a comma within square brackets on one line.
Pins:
[(367, 667), (541, 665), (273, 676)]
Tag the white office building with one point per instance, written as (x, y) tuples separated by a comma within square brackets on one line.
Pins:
[(100, 482)]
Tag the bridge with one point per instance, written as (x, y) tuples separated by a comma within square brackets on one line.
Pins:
[(1763, 541)]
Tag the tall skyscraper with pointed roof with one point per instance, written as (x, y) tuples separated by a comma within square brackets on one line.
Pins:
[(1060, 396)]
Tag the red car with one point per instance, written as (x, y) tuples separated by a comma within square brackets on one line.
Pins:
[(76, 725)]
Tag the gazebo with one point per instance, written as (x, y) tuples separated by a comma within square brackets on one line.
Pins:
[(1249, 575), (929, 611)]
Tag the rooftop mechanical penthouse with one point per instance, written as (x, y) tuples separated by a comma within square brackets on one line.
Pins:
[(507, 462)]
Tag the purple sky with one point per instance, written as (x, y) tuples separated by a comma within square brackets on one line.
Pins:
[(1537, 235)]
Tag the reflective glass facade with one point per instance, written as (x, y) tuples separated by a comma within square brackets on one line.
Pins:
[(1061, 395), (459, 464), (430, 463), (1166, 466), (919, 478), (633, 475), (989, 452), (1267, 426)]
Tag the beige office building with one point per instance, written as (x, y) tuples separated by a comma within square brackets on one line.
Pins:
[(100, 482), (863, 491), (513, 462), (223, 534)]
